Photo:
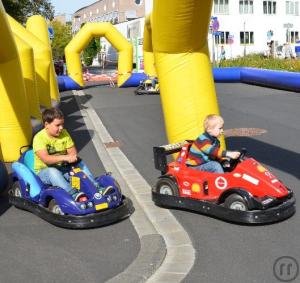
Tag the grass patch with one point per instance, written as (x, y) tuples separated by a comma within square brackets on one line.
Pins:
[(259, 61)]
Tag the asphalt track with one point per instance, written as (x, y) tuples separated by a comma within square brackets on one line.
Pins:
[(35, 251)]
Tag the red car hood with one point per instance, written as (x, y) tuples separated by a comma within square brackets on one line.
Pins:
[(264, 182)]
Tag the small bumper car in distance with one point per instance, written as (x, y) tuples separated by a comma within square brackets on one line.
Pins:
[(148, 86)]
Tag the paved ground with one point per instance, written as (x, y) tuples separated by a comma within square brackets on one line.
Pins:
[(224, 252), (34, 251)]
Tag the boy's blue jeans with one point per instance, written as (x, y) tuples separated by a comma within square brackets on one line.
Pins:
[(55, 177), (210, 166)]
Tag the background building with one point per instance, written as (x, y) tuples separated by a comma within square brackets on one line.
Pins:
[(241, 26), (61, 18), (247, 26), (114, 11)]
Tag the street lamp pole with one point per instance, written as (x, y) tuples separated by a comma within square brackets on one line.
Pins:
[(244, 38)]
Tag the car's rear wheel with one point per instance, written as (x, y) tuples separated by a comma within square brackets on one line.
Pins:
[(54, 207), (236, 202), (16, 189), (166, 186)]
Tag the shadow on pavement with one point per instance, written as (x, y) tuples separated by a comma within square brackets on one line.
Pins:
[(272, 155), (4, 204), (74, 122)]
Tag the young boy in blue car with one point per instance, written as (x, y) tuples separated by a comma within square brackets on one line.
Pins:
[(205, 152), (53, 146)]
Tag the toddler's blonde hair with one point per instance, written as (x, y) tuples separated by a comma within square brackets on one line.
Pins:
[(212, 120)]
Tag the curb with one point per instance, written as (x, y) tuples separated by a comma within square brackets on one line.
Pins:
[(173, 255)]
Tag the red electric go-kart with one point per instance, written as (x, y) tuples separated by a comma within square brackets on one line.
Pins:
[(246, 193)]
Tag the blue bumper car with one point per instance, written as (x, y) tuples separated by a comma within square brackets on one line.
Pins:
[(102, 204)]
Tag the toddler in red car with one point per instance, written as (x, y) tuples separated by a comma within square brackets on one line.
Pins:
[(205, 152)]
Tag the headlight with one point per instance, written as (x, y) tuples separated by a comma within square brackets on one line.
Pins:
[(118, 186), (82, 206), (115, 198), (266, 200), (109, 198), (90, 204)]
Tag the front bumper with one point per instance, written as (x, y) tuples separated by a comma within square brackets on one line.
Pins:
[(270, 215), (101, 218)]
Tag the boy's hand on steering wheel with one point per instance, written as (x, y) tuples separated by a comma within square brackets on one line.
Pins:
[(71, 158), (233, 154)]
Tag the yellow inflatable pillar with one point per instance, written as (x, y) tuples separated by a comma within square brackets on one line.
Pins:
[(41, 61), (37, 25), (149, 66), (179, 39), (27, 64), (15, 128), (82, 39)]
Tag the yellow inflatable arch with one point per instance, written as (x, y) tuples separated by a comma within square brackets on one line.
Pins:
[(38, 26), (42, 61), (149, 66), (179, 41), (15, 127), (82, 39)]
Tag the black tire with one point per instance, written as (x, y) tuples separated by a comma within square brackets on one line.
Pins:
[(16, 189), (137, 91), (236, 202), (166, 186), (54, 207)]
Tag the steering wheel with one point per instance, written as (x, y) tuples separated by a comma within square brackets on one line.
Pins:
[(235, 162), (229, 164), (67, 164)]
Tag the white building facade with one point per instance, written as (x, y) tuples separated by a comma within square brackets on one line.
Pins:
[(241, 26), (247, 26)]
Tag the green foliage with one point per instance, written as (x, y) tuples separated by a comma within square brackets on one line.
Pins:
[(91, 51), (62, 36), (259, 61), (22, 9)]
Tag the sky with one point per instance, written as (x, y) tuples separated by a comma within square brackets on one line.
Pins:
[(68, 7)]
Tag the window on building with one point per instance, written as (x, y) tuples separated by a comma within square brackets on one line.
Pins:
[(246, 7), (269, 7), (292, 36), (222, 37), (221, 7), (247, 37), (292, 8)]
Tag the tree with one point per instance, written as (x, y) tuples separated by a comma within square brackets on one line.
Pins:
[(91, 51), (62, 36), (22, 9)]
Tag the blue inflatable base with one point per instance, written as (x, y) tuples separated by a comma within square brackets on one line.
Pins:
[(66, 83), (263, 77), (269, 78), (134, 79)]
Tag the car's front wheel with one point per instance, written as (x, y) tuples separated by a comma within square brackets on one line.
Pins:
[(166, 186), (54, 207), (236, 202)]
